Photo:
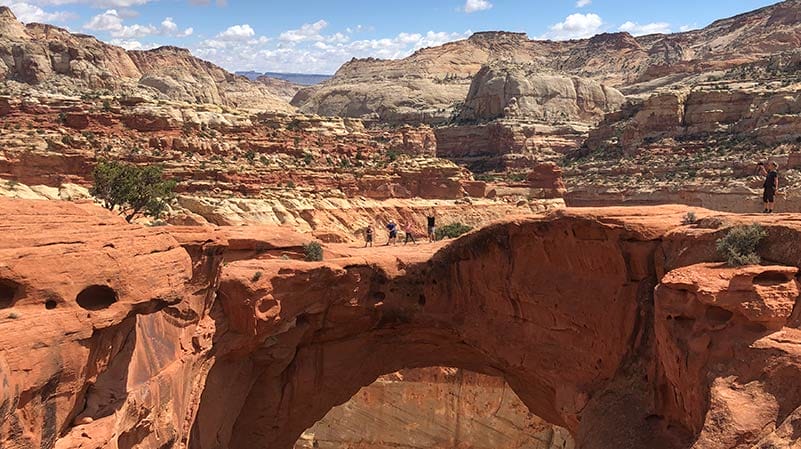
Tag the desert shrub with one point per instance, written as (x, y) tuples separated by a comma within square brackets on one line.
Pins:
[(452, 231), (739, 245), (133, 189), (256, 276), (313, 252), (689, 218), (294, 125)]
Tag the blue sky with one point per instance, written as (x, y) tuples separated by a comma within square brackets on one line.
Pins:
[(317, 36)]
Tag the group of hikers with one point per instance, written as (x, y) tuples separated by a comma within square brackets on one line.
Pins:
[(408, 231), (770, 189)]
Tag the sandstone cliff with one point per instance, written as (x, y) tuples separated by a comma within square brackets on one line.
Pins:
[(697, 145), (52, 59), (518, 90), (143, 338), (331, 175), (429, 85)]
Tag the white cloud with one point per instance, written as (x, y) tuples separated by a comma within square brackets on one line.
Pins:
[(112, 22), (316, 53), (307, 32), (168, 25), (575, 26), (583, 3), (29, 13), (649, 28), (684, 28), (471, 6), (132, 44), (237, 33)]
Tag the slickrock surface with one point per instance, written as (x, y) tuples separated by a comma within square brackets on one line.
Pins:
[(618, 324), (100, 325), (51, 59)]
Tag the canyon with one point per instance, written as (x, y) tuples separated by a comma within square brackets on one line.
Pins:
[(169, 338), (583, 309)]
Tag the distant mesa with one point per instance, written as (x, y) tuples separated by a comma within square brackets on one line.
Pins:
[(304, 79)]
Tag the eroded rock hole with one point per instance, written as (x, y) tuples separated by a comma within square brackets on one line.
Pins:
[(421, 300), (772, 278), (97, 297), (9, 291), (718, 315), (50, 304)]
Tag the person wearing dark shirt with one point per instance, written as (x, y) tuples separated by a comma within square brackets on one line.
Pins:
[(368, 236), (393, 232), (771, 186), (432, 226)]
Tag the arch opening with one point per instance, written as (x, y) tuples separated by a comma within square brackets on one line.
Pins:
[(97, 297), (437, 407)]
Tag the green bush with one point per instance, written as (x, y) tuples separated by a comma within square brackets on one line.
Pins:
[(133, 189), (689, 218), (313, 252), (452, 231), (739, 245)]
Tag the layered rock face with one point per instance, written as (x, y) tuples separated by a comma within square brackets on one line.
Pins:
[(55, 60), (429, 85), (436, 408), (511, 90), (149, 351), (698, 146), (331, 175), (99, 320)]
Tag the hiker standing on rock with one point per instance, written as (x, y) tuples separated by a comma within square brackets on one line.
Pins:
[(368, 236), (432, 225), (409, 234), (771, 185), (393, 232)]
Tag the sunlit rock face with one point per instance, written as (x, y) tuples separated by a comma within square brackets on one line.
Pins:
[(434, 408), (620, 325)]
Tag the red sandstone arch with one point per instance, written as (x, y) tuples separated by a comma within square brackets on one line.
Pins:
[(563, 306), (557, 309)]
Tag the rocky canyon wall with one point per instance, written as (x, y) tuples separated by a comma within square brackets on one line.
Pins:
[(434, 408), (118, 336)]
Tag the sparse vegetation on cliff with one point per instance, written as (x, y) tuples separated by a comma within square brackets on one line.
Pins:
[(313, 252), (132, 189), (452, 231), (739, 245)]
